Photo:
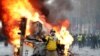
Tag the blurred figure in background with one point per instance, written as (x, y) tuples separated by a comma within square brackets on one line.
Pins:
[(3, 38), (94, 41), (98, 41), (79, 38), (83, 40)]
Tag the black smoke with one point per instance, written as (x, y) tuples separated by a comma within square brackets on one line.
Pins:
[(54, 10), (57, 10)]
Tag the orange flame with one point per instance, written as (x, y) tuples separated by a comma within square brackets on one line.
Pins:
[(13, 10)]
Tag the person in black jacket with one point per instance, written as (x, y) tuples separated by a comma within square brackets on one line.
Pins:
[(3, 37)]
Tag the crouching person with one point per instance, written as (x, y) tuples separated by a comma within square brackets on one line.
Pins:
[(51, 46)]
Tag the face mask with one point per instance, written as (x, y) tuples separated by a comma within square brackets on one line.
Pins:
[(52, 34)]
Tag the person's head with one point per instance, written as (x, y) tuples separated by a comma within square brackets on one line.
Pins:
[(52, 32), (35, 27), (39, 26)]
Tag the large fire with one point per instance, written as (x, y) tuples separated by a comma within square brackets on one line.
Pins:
[(13, 10)]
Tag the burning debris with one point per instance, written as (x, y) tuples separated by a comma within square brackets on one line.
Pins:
[(33, 10)]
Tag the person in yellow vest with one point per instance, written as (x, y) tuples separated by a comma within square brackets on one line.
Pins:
[(51, 46), (80, 40)]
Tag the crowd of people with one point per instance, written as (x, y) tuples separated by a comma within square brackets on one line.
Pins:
[(90, 40)]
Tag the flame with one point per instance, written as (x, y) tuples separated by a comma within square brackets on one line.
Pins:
[(13, 10), (67, 39)]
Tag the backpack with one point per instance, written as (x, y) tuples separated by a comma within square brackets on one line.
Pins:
[(51, 44)]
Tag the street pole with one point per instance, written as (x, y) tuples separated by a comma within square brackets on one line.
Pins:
[(22, 28)]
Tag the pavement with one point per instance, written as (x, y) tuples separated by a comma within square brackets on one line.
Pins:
[(6, 50), (28, 51), (85, 51)]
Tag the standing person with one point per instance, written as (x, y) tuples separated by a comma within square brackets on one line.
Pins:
[(80, 40), (83, 40), (3, 37), (99, 40), (51, 46), (94, 41)]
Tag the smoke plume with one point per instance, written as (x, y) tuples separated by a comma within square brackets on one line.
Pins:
[(57, 10), (54, 10)]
